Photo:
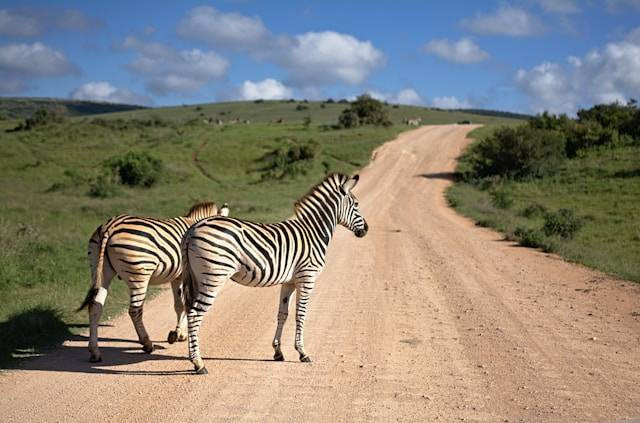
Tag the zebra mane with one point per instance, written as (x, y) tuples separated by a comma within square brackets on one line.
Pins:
[(202, 210), (333, 180)]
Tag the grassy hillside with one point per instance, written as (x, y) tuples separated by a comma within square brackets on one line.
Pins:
[(23, 107), (600, 188), (47, 212)]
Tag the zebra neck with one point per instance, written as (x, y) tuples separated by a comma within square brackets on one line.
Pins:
[(320, 223)]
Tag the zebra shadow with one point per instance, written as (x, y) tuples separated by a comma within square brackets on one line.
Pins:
[(447, 176)]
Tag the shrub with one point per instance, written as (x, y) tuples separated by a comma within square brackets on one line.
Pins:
[(103, 186), (370, 111), (301, 107), (501, 200), (528, 237), (533, 210), (518, 153), (41, 117), (136, 169), (348, 119), (563, 223), (306, 121), (290, 160)]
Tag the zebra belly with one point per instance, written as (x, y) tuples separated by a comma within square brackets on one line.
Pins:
[(247, 277)]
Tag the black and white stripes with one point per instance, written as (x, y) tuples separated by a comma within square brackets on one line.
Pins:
[(141, 251), (291, 253)]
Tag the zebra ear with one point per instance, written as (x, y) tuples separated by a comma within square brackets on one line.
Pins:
[(350, 183)]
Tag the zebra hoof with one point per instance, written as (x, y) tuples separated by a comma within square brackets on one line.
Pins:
[(182, 336), (95, 358), (202, 371), (173, 337), (148, 348), (305, 359), (278, 357)]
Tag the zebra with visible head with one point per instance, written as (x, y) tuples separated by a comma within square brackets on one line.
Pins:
[(140, 251), (291, 253)]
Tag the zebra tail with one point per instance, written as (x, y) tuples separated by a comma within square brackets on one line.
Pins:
[(188, 289), (96, 283)]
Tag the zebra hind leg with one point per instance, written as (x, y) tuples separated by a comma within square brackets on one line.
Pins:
[(138, 294), (202, 301), (283, 311), (180, 332)]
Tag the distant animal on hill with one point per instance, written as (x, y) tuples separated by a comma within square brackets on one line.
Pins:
[(413, 121), (140, 251)]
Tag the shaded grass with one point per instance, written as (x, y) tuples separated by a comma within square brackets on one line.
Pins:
[(602, 189)]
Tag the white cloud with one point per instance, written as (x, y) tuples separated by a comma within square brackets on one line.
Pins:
[(309, 59), (168, 70), (506, 20), (17, 25), (267, 89), (560, 6), (405, 96), (618, 5), (317, 58), (224, 30), (604, 75), (104, 91), (461, 51), (20, 63), (34, 22), (451, 103)]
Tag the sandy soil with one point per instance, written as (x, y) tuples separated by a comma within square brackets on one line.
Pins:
[(428, 318)]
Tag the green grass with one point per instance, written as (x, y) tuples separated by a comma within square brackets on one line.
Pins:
[(601, 187), (23, 107), (46, 216)]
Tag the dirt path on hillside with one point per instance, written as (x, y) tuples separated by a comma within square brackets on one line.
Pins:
[(428, 318)]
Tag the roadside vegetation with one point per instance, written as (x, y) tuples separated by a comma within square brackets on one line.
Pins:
[(63, 175), (567, 186)]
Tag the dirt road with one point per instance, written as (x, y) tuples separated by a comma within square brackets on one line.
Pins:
[(428, 318)]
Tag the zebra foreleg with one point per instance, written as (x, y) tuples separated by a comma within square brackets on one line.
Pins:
[(180, 333), (138, 294), (283, 311), (303, 294)]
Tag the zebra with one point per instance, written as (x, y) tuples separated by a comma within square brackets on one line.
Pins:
[(140, 251), (290, 253)]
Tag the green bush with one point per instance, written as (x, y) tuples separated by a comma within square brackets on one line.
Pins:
[(103, 186), (348, 119), (528, 237), (290, 160), (518, 153), (533, 210), (364, 111), (41, 117), (501, 200), (563, 223), (136, 169)]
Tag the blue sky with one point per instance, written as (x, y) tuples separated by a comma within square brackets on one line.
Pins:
[(524, 56)]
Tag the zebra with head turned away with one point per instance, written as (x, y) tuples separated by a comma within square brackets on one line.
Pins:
[(290, 253), (140, 251)]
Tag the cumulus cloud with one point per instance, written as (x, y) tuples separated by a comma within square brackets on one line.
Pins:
[(224, 30), (617, 5), (104, 91), (317, 58), (21, 63), (17, 25), (451, 102), (604, 75), (560, 6), (407, 96), (506, 20), (309, 59), (168, 70), (462, 51), (35, 22), (267, 89)]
